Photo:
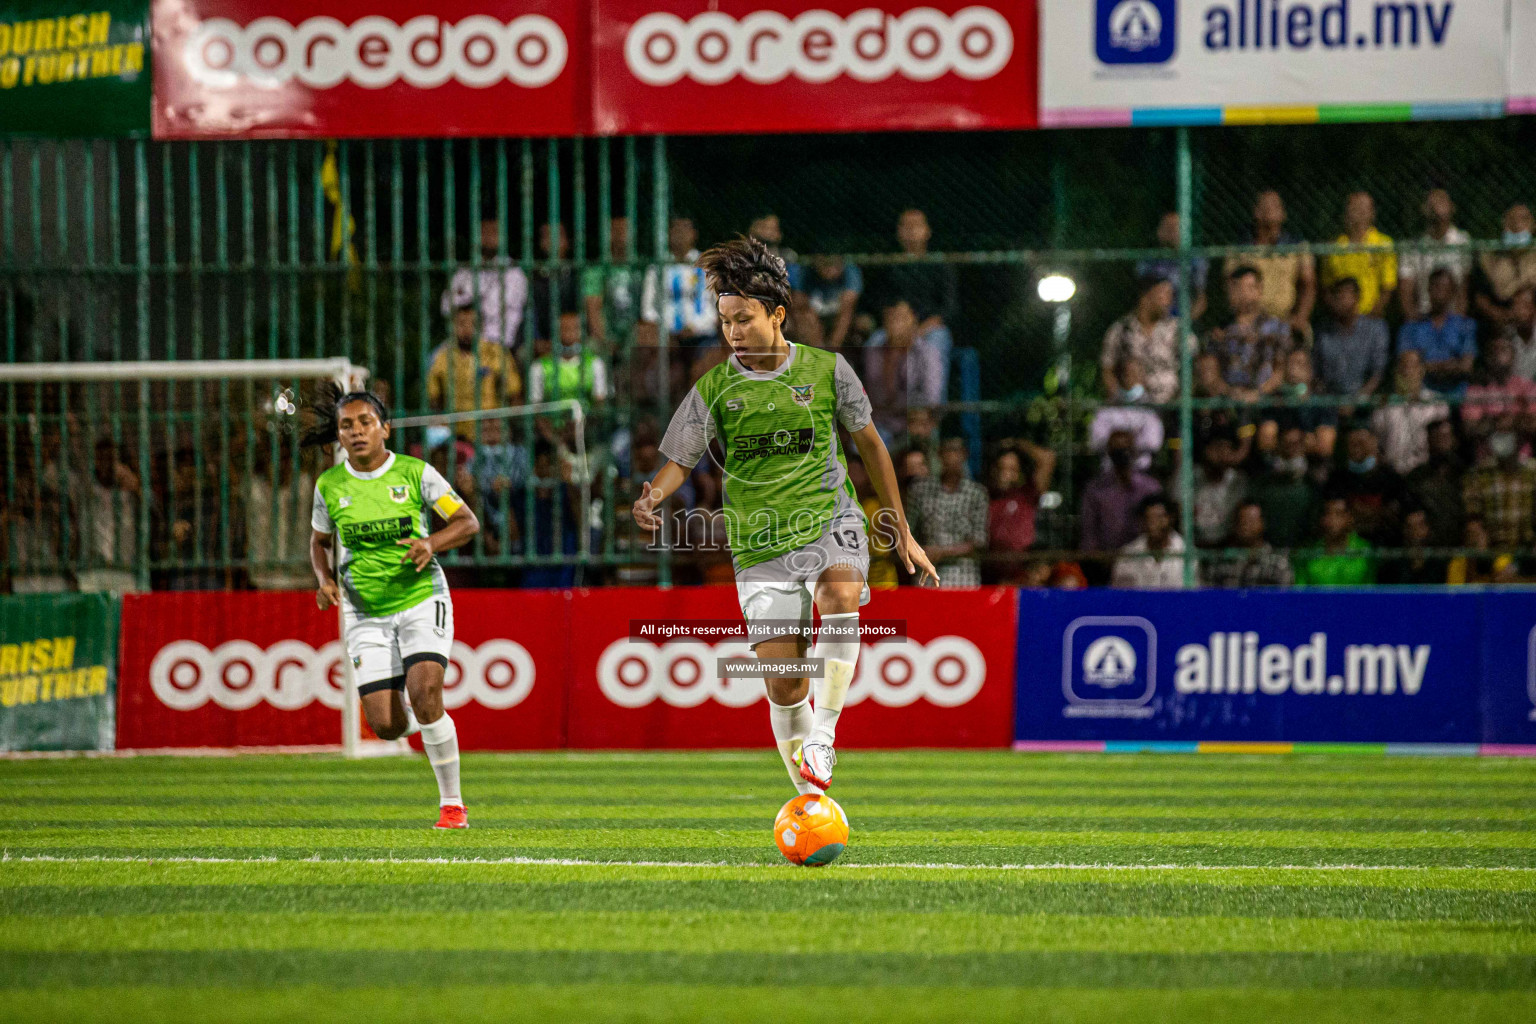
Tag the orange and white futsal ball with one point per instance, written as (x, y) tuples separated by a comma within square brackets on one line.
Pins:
[(811, 830)]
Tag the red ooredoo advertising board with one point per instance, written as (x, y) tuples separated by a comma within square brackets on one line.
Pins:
[(398, 68), (746, 66), (543, 669), (948, 683), (265, 669), (368, 68)]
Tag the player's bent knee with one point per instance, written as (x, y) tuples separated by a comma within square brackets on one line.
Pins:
[(839, 596), (786, 691)]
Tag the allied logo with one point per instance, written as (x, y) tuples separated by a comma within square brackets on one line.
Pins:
[(1109, 667), (1109, 661), (399, 494), (1136, 31), (803, 393)]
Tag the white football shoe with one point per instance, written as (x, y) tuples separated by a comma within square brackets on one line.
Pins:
[(816, 762)]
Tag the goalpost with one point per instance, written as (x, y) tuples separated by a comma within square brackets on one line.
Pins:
[(160, 417), (160, 404)]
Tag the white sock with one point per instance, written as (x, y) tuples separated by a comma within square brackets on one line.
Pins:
[(440, 739), (791, 724), (840, 656)]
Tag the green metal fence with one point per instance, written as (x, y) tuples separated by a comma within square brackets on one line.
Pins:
[(118, 250)]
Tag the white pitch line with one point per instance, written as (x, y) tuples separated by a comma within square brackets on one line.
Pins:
[(10, 858)]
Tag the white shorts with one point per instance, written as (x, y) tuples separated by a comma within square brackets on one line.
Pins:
[(385, 646), (777, 595)]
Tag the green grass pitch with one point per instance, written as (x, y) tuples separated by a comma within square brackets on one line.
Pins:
[(615, 887)]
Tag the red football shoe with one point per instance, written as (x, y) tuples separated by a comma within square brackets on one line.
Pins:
[(453, 816)]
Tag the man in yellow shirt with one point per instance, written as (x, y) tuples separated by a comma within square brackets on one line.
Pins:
[(1376, 271), (483, 373)]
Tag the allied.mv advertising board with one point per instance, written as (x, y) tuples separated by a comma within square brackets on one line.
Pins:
[(1146, 62), (1260, 666)]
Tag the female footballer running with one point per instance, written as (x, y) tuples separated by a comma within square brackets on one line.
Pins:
[(395, 603), (796, 530)]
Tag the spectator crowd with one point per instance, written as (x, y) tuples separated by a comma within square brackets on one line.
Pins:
[(1379, 396), (1323, 435)]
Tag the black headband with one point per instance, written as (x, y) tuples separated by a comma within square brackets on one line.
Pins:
[(769, 303), (363, 396)]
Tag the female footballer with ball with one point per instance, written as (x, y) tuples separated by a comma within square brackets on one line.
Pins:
[(795, 527), (397, 612)]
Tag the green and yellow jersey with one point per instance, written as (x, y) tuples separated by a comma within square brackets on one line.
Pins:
[(372, 512)]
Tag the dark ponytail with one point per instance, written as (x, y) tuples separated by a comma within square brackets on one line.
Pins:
[(328, 401)]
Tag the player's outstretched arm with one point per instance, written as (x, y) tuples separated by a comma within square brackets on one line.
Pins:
[(882, 474), (655, 491)]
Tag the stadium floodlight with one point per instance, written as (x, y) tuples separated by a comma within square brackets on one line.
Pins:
[(1056, 287)]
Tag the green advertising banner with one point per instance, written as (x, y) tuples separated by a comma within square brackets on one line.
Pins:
[(58, 672), (74, 67)]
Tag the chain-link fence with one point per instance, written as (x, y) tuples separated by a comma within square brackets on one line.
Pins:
[(365, 250)]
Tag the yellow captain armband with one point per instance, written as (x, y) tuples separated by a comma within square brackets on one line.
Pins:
[(448, 504)]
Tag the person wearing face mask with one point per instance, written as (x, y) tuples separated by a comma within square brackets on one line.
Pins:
[(1108, 519), (1286, 492), (1502, 273), (1403, 426), (1144, 424), (1319, 425), (1374, 491), (1436, 485), (1502, 493), (1149, 335)]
